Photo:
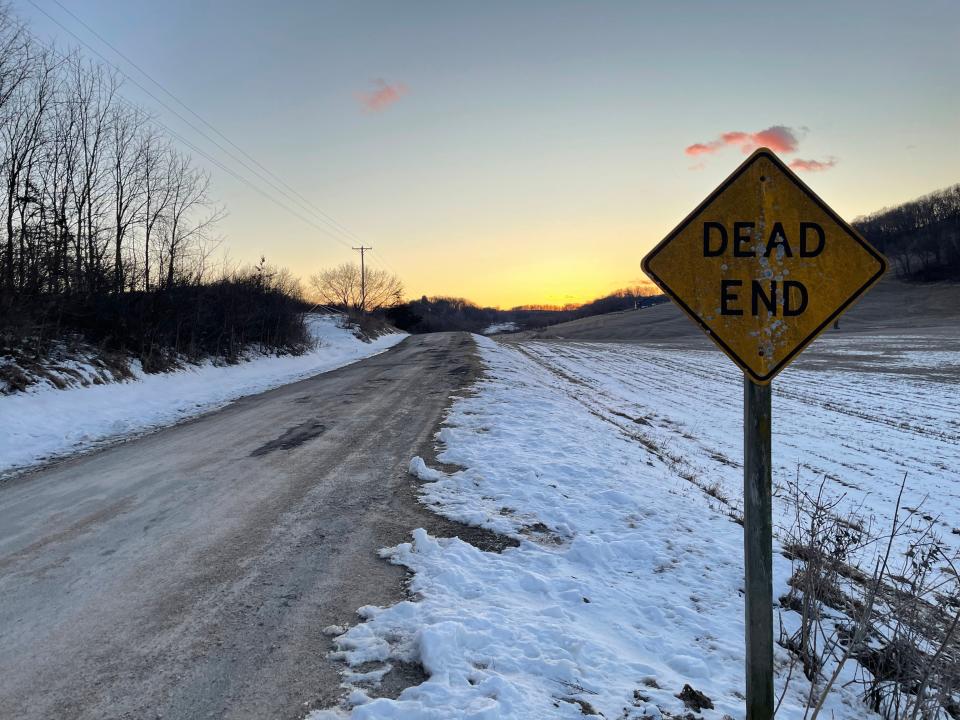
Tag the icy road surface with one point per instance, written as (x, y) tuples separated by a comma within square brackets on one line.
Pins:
[(627, 583), (189, 573)]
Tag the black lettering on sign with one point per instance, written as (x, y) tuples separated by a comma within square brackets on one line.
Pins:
[(709, 251), (769, 301), (794, 297), (778, 237), (806, 251), (726, 297), (739, 239), (789, 309), (790, 296), (716, 240)]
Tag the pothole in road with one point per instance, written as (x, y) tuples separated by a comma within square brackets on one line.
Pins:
[(292, 438)]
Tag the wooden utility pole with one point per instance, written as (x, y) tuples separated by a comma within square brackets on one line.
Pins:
[(363, 278), (758, 549)]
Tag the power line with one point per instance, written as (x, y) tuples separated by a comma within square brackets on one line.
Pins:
[(304, 202), (291, 196), (157, 83), (163, 104), (386, 262)]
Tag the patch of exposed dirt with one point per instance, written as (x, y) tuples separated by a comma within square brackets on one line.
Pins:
[(399, 677), (694, 699)]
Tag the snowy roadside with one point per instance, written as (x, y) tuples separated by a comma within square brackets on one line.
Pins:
[(627, 583), (44, 422)]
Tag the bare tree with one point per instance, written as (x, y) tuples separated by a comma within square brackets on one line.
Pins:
[(94, 92), (341, 287), (188, 192), (639, 291), (156, 189), (21, 139), (92, 197), (127, 174), (14, 50), (100, 216)]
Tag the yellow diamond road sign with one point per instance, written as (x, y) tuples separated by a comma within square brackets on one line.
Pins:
[(764, 265)]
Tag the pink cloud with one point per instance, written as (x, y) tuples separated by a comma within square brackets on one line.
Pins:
[(812, 165), (733, 138), (700, 149), (778, 138), (385, 95)]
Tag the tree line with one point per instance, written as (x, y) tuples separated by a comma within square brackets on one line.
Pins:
[(107, 226), (921, 238), (439, 314)]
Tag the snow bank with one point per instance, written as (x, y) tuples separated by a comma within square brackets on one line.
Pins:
[(44, 422), (627, 584)]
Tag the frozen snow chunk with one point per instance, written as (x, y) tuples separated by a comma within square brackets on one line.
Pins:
[(358, 697), (418, 468)]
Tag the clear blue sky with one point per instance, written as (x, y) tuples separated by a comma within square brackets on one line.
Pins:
[(533, 151)]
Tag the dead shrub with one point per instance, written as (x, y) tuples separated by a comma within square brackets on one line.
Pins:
[(897, 621)]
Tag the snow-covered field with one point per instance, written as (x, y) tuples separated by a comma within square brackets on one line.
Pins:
[(45, 422), (627, 583)]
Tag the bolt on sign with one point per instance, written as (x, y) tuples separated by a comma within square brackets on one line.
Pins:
[(763, 265)]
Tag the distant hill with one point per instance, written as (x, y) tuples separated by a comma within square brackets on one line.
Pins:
[(439, 314), (921, 238), (893, 306)]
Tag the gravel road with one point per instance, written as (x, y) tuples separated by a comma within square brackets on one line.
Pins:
[(189, 573)]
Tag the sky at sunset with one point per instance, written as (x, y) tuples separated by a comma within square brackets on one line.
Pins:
[(532, 152)]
